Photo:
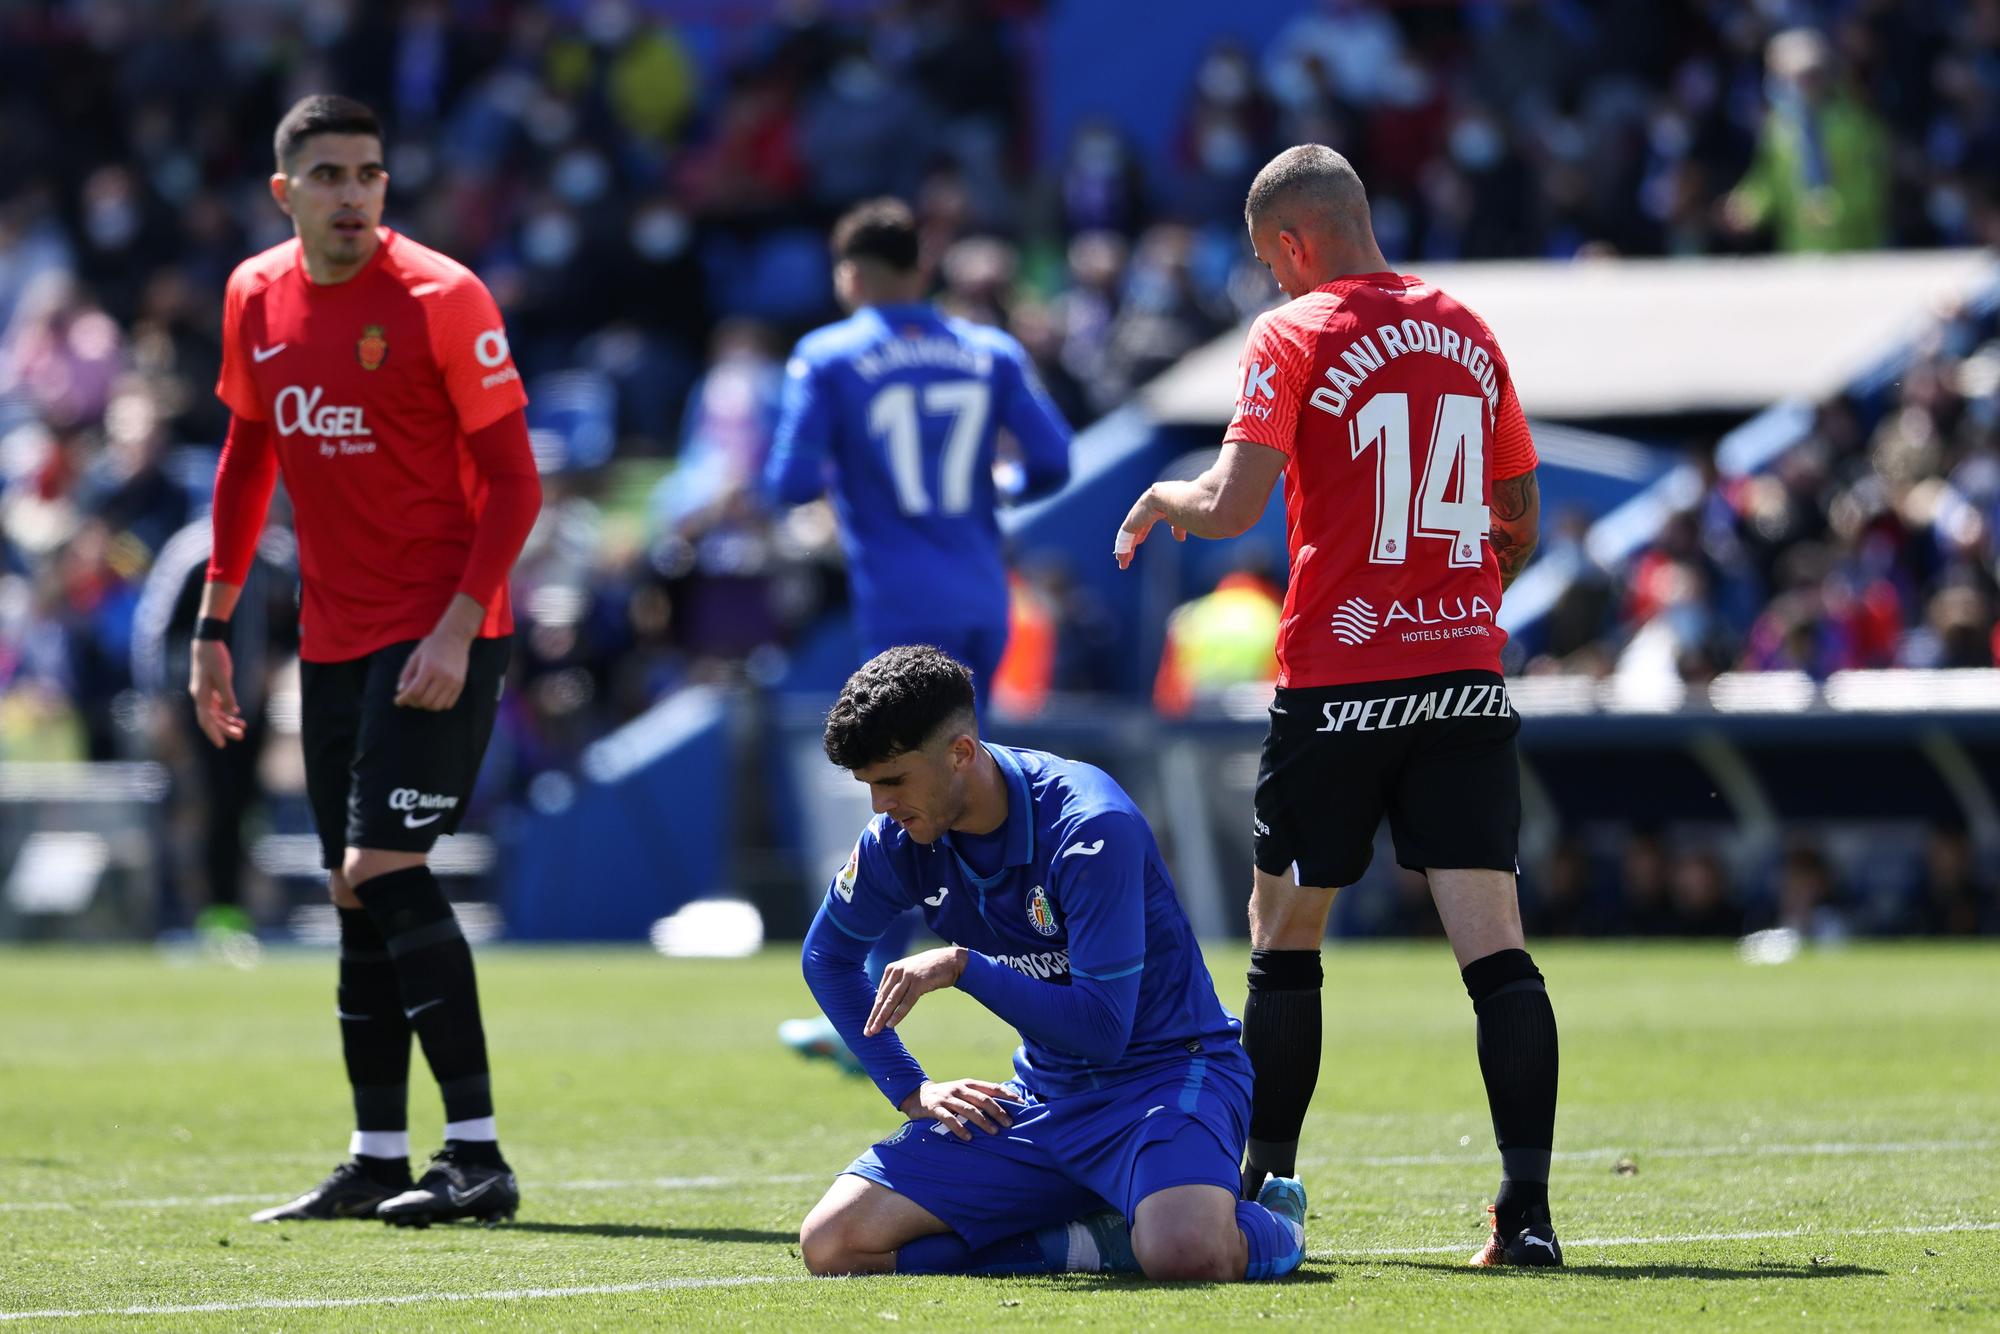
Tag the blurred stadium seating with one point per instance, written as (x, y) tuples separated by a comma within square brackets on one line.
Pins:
[(1730, 548)]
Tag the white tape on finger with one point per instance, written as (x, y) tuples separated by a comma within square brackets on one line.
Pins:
[(1124, 545)]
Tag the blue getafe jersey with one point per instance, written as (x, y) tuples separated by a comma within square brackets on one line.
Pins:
[(1082, 897), (904, 403)]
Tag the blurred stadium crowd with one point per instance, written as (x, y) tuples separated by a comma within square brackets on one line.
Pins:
[(647, 197), (1870, 544)]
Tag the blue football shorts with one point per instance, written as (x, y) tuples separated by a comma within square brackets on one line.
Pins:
[(1064, 1157)]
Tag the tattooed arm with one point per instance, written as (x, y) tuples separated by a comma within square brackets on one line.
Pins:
[(1517, 518)]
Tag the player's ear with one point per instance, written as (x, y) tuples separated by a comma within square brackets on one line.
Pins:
[(281, 191)]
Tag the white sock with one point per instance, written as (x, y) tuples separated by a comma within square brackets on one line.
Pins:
[(380, 1143), (1084, 1257), (479, 1128)]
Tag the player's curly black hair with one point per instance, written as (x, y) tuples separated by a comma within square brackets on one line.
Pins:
[(884, 230), (322, 113), (898, 702)]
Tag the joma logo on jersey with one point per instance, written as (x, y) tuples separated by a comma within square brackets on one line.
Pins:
[(298, 412)]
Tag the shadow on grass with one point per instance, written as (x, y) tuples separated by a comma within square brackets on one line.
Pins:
[(758, 1235), (1304, 1277), (1774, 1269)]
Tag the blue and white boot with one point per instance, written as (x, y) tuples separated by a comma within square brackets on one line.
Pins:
[(1285, 1197)]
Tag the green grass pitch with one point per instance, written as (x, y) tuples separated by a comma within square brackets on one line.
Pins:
[(1802, 1146)]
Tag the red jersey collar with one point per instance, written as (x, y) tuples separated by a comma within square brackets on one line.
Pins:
[(1347, 282), (385, 237)]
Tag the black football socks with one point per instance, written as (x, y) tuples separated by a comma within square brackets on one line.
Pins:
[(375, 1040), (1517, 1059), (1281, 1034), (440, 996)]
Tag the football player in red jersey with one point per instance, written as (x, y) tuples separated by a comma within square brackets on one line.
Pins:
[(1410, 503), (374, 374)]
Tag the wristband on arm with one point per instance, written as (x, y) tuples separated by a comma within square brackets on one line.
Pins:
[(212, 627)]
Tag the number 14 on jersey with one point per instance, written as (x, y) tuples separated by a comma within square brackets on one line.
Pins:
[(1452, 514)]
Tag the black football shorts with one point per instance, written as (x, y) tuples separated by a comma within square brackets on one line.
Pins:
[(380, 775), (1434, 753)]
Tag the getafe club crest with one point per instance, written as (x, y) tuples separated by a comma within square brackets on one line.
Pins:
[(1040, 915), (373, 349)]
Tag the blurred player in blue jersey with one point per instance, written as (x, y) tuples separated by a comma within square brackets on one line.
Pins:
[(1115, 1145), (896, 409)]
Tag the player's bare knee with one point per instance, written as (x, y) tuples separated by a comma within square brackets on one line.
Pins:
[(1285, 916), (1480, 911), (832, 1240), (826, 1242), (1183, 1256)]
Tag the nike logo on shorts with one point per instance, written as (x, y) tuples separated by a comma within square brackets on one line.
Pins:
[(414, 1012), (412, 822), (260, 355), (1082, 849)]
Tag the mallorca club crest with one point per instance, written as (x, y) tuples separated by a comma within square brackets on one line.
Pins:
[(373, 348), (1040, 915)]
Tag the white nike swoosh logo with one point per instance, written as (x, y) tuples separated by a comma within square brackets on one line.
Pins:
[(342, 1014), (942, 891), (264, 354), (413, 1013), (1081, 849), (412, 822), (464, 1197)]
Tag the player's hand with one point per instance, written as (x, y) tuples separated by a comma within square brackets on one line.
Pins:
[(959, 1104), (211, 681), (905, 981), (1139, 522), (434, 673)]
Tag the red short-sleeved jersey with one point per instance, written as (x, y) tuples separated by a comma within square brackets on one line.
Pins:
[(1396, 413), (370, 387)]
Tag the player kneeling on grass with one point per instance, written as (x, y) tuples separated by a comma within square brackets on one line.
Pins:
[(1115, 1145)]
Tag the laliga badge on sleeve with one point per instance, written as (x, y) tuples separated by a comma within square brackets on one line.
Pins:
[(843, 885)]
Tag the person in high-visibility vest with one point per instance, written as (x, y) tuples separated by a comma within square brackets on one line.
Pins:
[(1224, 638)]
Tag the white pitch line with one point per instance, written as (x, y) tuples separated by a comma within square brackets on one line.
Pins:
[(692, 1183), (1472, 1155), (410, 1299), (748, 1280), (215, 1201), (1833, 1149), (1678, 1239)]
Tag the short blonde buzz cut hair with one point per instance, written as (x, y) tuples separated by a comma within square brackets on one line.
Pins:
[(1309, 187)]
